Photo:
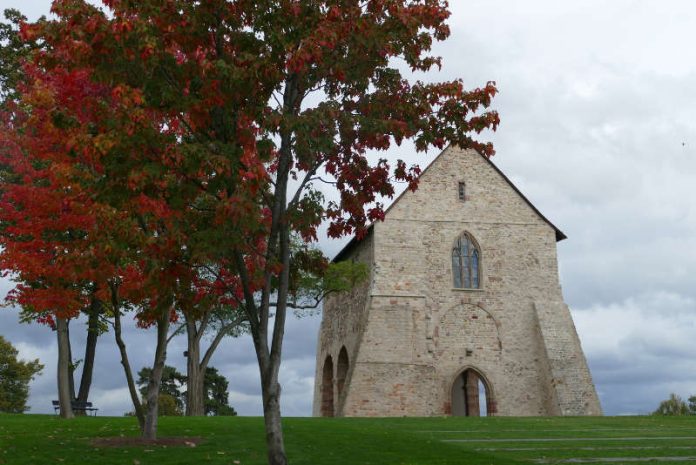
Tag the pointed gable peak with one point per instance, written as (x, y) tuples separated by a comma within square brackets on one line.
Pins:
[(559, 234)]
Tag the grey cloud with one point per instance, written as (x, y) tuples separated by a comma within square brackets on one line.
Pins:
[(640, 349)]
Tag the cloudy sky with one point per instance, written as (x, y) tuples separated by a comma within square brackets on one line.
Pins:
[(598, 108)]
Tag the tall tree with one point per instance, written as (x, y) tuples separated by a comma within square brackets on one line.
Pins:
[(344, 52), (68, 242), (241, 112), (14, 50), (37, 233), (14, 53), (171, 384), (216, 394), (215, 386), (15, 376)]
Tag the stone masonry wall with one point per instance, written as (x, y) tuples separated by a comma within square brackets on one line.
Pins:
[(343, 323), (411, 334), (568, 370)]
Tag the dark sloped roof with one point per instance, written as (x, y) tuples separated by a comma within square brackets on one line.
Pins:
[(354, 241)]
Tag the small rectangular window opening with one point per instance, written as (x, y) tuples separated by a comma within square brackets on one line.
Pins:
[(462, 191)]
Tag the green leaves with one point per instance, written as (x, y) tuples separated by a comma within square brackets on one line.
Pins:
[(312, 277), (344, 276), (13, 51), (15, 376)]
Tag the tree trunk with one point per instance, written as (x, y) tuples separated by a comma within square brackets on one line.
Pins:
[(278, 251), (71, 366), (137, 406), (153, 387), (90, 350), (279, 248), (273, 423), (64, 396), (195, 377), (196, 365)]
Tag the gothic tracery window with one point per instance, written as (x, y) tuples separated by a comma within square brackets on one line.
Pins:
[(466, 259)]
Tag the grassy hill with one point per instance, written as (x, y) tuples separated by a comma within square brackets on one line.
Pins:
[(42, 439)]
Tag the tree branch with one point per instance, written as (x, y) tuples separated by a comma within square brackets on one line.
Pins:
[(204, 324), (218, 338), (249, 304), (319, 178), (175, 332), (303, 184)]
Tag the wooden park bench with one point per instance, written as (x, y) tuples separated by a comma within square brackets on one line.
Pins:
[(85, 407)]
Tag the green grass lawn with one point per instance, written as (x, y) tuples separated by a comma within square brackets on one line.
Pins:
[(42, 439)]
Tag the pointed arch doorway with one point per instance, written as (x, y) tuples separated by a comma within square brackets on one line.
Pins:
[(327, 389), (472, 395)]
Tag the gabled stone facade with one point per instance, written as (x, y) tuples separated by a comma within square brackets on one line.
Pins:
[(407, 342)]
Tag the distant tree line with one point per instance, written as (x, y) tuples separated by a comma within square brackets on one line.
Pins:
[(676, 406)]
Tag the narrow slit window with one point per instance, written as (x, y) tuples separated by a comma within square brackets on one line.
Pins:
[(462, 191), (466, 262)]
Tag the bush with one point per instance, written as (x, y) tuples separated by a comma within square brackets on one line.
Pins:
[(15, 376), (226, 411), (675, 406), (167, 406)]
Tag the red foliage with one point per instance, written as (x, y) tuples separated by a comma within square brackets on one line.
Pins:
[(149, 149), (70, 224)]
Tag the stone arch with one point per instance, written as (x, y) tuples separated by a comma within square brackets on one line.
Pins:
[(341, 370), (465, 391), (327, 394), (465, 327)]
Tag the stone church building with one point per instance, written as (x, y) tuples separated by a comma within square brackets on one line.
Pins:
[(462, 313)]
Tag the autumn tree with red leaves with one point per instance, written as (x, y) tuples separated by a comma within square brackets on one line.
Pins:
[(257, 104), (41, 225), (13, 54), (72, 237)]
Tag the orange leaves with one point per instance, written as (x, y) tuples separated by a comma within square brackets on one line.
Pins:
[(103, 143), (153, 207), (41, 97), (121, 25), (127, 96)]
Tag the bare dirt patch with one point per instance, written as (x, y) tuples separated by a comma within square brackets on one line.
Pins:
[(121, 441)]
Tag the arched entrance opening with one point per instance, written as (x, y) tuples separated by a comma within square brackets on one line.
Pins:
[(327, 398), (341, 370), (472, 395)]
